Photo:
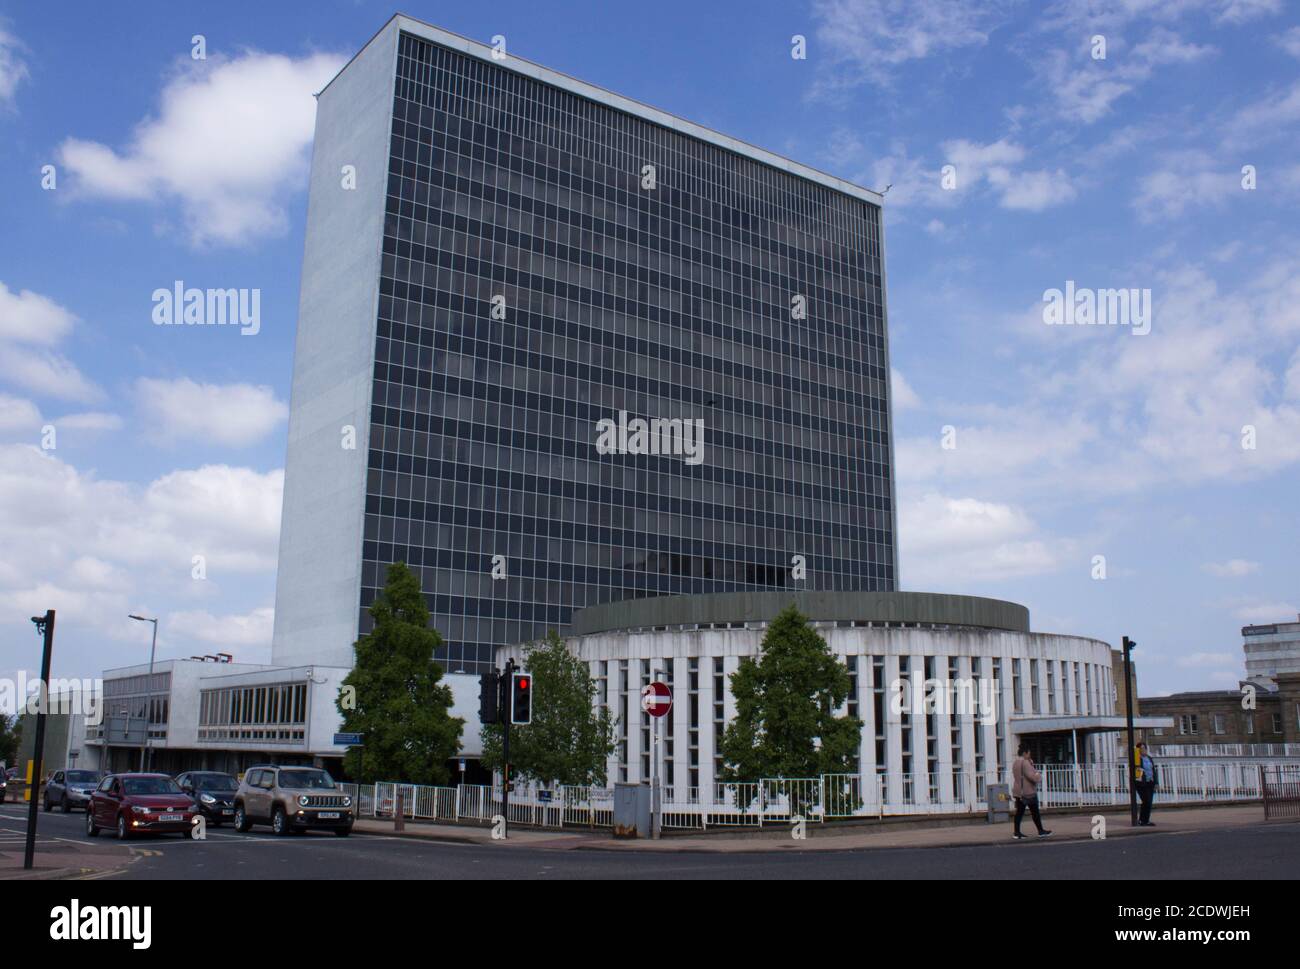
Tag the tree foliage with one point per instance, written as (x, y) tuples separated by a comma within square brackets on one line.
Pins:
[(397, 701), (568, 741), (11, 733), (786, 702)]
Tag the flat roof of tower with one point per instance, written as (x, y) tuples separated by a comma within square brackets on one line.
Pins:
[(729, 607), (606, 97)]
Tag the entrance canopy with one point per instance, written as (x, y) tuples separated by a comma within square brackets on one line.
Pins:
[(1028, 726)]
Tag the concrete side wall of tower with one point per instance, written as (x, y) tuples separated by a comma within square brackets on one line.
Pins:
[(325, 482)]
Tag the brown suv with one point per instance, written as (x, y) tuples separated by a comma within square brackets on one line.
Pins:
[(292, 800)]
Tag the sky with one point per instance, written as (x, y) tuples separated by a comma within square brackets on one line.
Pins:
[(1137, 479)]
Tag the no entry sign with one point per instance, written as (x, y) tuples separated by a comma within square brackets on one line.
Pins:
[(656, 698)]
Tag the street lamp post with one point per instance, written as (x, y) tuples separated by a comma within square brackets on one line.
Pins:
[(148, 700)]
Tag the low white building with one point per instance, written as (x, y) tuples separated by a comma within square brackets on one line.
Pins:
[(203, 715)]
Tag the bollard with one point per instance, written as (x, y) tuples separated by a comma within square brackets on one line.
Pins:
[(399, 821)]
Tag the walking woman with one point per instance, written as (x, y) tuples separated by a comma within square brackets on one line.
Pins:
[(1024, 789)]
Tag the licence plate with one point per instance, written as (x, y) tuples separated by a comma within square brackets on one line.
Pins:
[(227, 810), (171, 817), (328, 815)]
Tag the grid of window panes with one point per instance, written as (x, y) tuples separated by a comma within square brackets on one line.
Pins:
[(671, 302)]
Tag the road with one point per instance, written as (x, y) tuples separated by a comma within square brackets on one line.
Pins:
[(1266, 851)]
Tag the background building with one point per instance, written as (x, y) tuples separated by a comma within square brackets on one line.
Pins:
[(1271, 649), (1214, 723), (520, 256)]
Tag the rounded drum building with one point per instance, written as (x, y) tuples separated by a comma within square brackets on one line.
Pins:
[(945, 687)]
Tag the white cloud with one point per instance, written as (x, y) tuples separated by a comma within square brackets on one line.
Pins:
[(1101, 413), (18, 415), (30, 327), (251, 630), (27, 317), (51, 514), (229, 141), (1263, 613), (875, 37), (46, 372), (1169, 192), (235, 415), (1196, 661), (89, 421), (1241, 11), (1266, 117), (1034, 191), (1166, 47), (974, 165), (97, 549), (1085, 89), (21, 420), (1289, 41), (902, 396), (13, 69), (945, 541), (1231, 569)]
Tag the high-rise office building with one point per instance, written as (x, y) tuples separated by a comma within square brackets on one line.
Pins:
[(558, 348)]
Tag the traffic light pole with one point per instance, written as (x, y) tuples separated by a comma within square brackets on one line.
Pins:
[(504, 707), (1128, 714)]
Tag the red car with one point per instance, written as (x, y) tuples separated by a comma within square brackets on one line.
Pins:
[(134, 804)]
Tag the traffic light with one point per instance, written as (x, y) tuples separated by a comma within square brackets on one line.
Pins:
[(489, 696), (521, 698)]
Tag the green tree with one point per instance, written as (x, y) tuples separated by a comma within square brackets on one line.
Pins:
[(394, 698), (785, 724), (11, 733), (569, 740)]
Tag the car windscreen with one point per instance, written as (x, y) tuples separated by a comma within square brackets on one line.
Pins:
[(84, 777), (214, 782), (309, 780), (149, 785)]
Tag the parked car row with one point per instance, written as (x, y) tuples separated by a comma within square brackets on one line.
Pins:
[(291, 800)]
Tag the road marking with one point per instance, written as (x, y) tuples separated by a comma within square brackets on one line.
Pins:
[(95, 875)]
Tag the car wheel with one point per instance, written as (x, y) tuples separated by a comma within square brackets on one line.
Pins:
[(47, 805), (92, 829), (242, 824), (280, 822), (123, 832), (66, 807)]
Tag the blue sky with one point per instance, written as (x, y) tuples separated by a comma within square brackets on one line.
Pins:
[(1070, 442)]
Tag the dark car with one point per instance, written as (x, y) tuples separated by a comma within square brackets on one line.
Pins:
[(71, 788), (292, 800), (213, 793), (132, 804)]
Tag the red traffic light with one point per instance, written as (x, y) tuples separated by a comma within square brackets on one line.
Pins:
[(523, 682)]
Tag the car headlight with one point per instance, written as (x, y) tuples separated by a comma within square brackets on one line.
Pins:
[(347, 802), (138, 809), (207, 799), (302, 799)]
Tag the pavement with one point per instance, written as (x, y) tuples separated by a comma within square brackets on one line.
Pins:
[(920, 833), (62, 849), (1218, 842)]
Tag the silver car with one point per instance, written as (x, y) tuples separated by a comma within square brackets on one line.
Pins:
[(71, 788)]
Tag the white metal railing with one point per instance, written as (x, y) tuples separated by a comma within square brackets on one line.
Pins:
[(814, 799)]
